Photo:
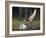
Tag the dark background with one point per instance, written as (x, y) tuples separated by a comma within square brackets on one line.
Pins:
[(24, 12)]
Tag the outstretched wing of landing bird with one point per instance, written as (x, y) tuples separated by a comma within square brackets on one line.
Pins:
[(33, 15)]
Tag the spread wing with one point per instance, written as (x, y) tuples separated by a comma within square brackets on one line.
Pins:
[(33, 15)]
